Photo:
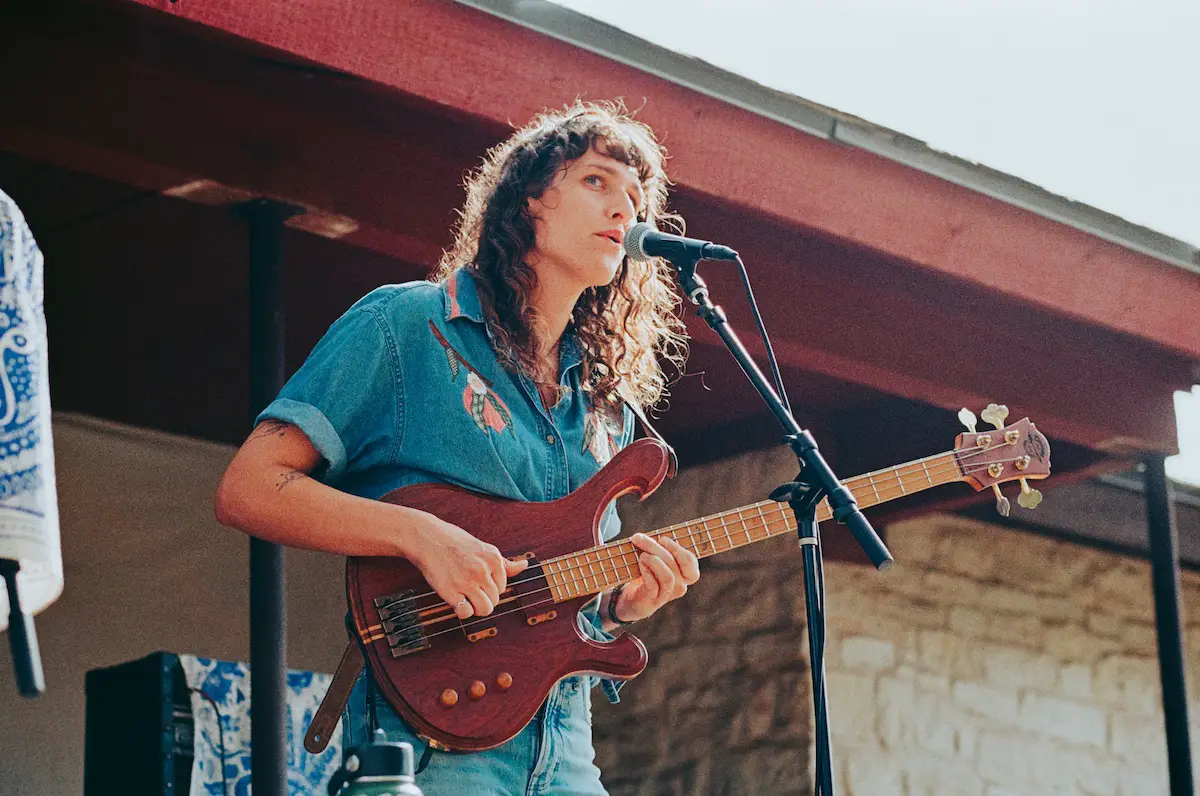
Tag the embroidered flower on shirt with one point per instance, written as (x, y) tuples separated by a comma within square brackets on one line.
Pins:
[(486, 408), (601, 436), (482, 403)]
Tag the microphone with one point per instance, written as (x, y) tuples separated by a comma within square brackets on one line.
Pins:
[(643, 241)]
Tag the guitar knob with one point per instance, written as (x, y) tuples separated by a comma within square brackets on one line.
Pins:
[(477, 690), (504, 681), (995, 414), (967, 418), (1029, 497), (1002, 504), (449, 698)]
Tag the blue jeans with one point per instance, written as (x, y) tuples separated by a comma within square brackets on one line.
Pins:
[(551, 756)]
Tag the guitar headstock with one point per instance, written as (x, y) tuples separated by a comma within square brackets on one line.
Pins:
[(1016, 452)]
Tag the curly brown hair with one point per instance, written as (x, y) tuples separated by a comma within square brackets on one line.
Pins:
[(626, 328)]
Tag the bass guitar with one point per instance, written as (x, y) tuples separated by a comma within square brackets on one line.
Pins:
[(474, 683)]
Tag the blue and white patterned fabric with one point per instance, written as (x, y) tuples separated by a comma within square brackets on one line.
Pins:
[(221, 710), (28, 502)]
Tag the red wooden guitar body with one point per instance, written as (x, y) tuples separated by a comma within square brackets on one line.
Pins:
[(446, 667)]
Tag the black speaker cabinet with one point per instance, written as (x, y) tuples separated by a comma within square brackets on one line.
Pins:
[(138, 738)]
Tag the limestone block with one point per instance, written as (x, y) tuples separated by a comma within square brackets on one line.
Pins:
[(1004, 760), (947, 653), (953, 589), (1010, 629), (911, 718), (1124, 589), (1139, 738), (852, 708), (1009, 668), (1074, 644), (863, 652), (1129, 683), (914, 542), (875, 775), (1143, 781), (1071, 721), (1000, 706), (929, 776), (1075, 680)]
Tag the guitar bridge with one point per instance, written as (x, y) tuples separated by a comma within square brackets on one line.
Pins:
[(401, 620)]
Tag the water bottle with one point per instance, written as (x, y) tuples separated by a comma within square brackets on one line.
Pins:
[(376, 769)]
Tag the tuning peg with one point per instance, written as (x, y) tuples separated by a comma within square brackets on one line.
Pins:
[(967, 418), (995, 414), (1029, 497), (1002, 504)]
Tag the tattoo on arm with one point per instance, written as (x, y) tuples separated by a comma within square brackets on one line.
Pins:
[(269, 428), (289, 477)]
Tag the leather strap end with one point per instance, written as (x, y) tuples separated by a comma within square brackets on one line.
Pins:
[(329, 713)]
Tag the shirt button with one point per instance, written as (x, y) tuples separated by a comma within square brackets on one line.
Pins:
[(549, 439)]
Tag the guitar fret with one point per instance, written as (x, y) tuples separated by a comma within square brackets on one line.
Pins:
[(552, 579), (745, 527), (612, 559), (578, 576)]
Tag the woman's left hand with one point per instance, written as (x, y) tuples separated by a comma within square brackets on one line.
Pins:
[(667, 569)]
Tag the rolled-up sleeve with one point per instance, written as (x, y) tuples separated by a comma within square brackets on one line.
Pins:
[(346, 397)]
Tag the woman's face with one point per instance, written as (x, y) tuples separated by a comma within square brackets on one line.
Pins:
[(581, 221)]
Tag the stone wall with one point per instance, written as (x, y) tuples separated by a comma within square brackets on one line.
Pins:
[(987, 662)]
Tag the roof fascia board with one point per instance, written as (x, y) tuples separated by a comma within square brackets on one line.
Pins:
[(614, 44)]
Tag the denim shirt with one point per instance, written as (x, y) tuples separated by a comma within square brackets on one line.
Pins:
[(406, 388)]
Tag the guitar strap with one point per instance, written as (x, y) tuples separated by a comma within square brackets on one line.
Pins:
[(329, 713), (651, 431)]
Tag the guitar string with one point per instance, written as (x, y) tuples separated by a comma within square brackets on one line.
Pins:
[(572, 575), (782, 517), (893, 472), (768, 524), (925, 474)]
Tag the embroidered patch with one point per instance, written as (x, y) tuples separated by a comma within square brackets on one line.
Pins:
[(601, 436), (482, 403)]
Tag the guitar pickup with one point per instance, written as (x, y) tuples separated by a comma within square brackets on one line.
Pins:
[(537, 620), (482, 634)]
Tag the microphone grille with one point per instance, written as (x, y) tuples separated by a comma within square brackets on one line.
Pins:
[(633, 240)]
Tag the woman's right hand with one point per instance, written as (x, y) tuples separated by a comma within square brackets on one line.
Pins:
[(458, 566)]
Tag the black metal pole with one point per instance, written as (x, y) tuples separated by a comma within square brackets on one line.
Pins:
[(268, 607), (22, 637), (814, 602), (1164, 562)]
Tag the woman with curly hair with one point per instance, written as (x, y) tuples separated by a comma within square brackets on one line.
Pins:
[(509, 374)]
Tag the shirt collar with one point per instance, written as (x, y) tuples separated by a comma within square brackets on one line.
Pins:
[(462, 297), (462, 301)]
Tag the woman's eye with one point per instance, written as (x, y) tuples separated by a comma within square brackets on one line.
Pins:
[(594, 179)]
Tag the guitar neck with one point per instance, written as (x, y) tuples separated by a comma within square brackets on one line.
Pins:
[(607, 566)]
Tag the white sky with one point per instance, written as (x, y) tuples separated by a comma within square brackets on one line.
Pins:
[(1094, 100)]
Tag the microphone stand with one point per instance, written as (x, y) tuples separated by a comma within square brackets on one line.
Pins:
[(815, 481)]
